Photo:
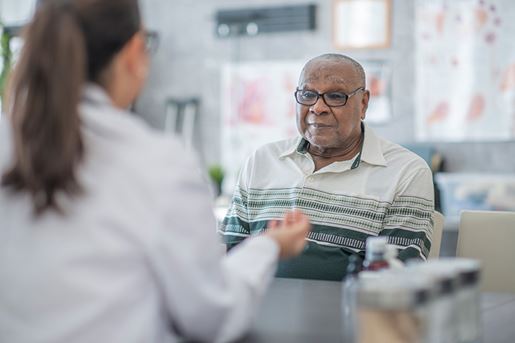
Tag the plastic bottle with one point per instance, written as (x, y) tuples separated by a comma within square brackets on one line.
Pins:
[(349, 291), (375, 254)]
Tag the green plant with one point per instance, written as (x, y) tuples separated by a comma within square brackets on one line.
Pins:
[(216, 174), (6, 57)]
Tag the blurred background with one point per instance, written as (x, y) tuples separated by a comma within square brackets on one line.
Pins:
[(441, 74)]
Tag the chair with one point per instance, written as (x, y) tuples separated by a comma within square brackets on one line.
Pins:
[(438, 221), (489, 236), (434, 160)]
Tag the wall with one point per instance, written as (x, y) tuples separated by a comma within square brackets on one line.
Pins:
[(190, 57), (13, 12)]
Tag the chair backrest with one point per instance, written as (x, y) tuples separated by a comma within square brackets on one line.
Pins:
[(438, 221), (489, 236)]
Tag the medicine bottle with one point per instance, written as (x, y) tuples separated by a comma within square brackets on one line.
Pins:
[(375, 254)]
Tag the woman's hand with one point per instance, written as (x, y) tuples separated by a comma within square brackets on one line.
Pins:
[(290, 233)]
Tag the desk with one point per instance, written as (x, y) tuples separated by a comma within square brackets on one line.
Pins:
[(309, 311)]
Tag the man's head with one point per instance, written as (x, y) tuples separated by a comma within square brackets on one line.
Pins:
[(333, 121)]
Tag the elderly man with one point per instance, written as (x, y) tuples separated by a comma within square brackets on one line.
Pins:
[(352, 183)]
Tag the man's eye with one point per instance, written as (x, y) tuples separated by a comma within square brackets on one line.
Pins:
[(336, 96), (309, 95)]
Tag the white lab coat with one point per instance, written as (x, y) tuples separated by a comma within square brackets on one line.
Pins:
[(136, 258)]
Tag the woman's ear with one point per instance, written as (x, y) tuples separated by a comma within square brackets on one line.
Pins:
[(135, 56), (128, 72)]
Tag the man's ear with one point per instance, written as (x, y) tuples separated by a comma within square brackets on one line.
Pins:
[(364, 103)]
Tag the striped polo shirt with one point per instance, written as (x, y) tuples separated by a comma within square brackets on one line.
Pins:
[(385, 190)]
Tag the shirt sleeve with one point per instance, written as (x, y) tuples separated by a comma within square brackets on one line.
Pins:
[(235, 226), (209, 295), (409, 220)]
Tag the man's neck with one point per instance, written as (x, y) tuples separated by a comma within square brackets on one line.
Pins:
[(324, 157)]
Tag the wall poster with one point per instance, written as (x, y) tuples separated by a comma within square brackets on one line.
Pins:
[(258, 107), (465, 70)]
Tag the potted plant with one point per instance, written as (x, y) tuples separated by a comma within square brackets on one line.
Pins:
[(216, 174), (5, 58)]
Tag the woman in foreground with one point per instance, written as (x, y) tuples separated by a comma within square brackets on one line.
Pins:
[(106, 229)]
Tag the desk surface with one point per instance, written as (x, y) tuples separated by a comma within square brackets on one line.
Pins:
[(309, 311)]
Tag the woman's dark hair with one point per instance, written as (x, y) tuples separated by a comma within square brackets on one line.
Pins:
[(68, 43)]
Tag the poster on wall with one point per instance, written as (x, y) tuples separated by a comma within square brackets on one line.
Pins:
[(258, 107), (465, 70), (378, 83)]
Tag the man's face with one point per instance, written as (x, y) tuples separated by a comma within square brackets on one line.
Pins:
[(331, 127)]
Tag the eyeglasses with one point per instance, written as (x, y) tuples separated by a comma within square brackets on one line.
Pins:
[(331, 99), (151, 41)]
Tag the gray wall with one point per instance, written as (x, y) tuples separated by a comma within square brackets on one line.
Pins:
[(189, 60)]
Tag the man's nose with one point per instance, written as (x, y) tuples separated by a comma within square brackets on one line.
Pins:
[(320, 107)]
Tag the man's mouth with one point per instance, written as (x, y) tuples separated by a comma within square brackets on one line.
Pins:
[(319, 125)]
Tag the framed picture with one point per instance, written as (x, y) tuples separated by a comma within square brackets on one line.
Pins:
[(362, 24)]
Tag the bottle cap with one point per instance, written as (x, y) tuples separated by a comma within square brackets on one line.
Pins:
[(468, 270), (376, 244), (445, 278), (393, 290)]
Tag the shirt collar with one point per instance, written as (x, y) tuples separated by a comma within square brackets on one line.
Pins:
[(372, 149), (370, 153), (298, 145), (93, 93)]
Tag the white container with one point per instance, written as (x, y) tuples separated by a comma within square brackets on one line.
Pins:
[(444, 314), (393, 307), (466, 299)]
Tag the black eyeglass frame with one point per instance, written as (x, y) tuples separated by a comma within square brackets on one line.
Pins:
[(347, 96)]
